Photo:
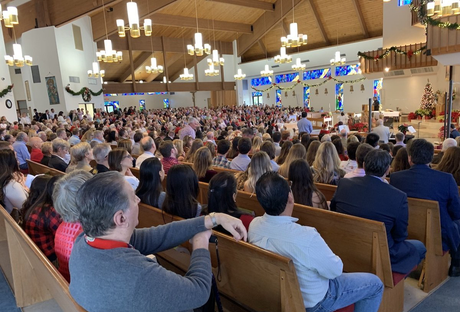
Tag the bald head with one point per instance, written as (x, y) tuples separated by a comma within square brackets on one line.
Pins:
[(380, 122), (148, 145), (36, 142)]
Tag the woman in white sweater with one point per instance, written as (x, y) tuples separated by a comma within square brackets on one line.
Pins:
[(13, 192)]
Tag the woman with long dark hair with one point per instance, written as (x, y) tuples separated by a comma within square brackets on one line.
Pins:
[(120, 160), (303, 188), (222, 198), (37, 188), (182, 192), (284, 152), (13, 192), (150, 190), (41, 221)]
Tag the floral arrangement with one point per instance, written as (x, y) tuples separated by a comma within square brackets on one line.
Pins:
[(411, 116), (403, 128), (359, 126), (454, 116)]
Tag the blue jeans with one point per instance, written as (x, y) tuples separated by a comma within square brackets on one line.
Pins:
[(365, 290), (23, 166), (421, 249)]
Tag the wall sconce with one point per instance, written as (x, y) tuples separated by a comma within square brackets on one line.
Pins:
[(362, 88), (285, 94), (268, 95), (325, 91), (293, 92), (316, 92), (351, 89)]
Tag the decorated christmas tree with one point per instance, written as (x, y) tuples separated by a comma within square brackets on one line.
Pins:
[(428, 98)]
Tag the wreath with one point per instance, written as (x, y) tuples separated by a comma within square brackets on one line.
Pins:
[(86, 96), (82, 91)]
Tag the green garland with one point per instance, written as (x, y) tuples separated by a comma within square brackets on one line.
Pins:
[(274, 85), (83, 90), (428, 20), (6, 90), (409, 53)]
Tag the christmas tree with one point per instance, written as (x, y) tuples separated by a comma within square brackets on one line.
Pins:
[(428, 98)]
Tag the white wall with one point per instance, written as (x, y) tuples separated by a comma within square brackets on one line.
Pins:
[(397, 28), (5, 81)]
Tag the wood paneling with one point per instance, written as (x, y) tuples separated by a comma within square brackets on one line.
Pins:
[(444, 41), (161, 87), (223, 98)]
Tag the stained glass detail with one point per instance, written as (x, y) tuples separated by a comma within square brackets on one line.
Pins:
[(279, 101), (317, 74), (339, 96), (287, 78), (378, 85), (347, 70), (404, 2), (262, 81), (306, 97)]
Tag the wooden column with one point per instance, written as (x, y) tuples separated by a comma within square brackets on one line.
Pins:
[(196, 76), (164, 62), (131, 62)]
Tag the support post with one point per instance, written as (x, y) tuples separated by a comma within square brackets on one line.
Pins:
[(451, 89), (370, 116), (131, 62)]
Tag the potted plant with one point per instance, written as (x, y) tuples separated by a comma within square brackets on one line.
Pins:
[(403, 128), (411, 116), (419, 113)]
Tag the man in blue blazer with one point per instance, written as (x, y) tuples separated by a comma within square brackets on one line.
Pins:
[(420, 181), (371, 197)]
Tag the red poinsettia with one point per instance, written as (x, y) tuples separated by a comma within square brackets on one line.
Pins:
[(410, 53)]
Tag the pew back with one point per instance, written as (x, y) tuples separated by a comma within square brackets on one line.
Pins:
[(32, 276), (37, 168)]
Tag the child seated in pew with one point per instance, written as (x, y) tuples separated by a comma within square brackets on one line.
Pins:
[(150, 190), (41, 221), (182, 193), (323, 285), (65, 203), (222, 198)]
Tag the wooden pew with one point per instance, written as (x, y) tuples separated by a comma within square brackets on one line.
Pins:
[(327, 190), (251, 276), (37, 168), (425, 226), (135, 172), (30, 274)]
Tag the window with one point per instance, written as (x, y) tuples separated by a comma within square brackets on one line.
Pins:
[(306, 97), (317, 74), (347, 70), (287, 78), (378, 84), (339, 96), (404, 2), (263, 81), (257, 98), (279, 101)]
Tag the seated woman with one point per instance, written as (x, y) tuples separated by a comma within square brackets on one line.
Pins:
[(202, 164), (191, 153), (260, 163), (47, 148), (340, 150), (400, 161), (66, 204), (256, 144), (150, 190), (297, 152), (111, 138), (187, 142), (284, 152), (303, 188), (127, 144), (311, 151), (233, 152), (222, 198), (41, 221), (179, 144), (37, 188), (120, 160), (450, 163), (81, 155), (13, 191), (326, 167), (182, 192)]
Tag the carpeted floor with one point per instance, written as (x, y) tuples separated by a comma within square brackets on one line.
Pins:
[(445, 299), (7, 302)]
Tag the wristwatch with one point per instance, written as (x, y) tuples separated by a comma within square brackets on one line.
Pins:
[(213, 219)]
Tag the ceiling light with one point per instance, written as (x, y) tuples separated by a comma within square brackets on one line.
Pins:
[(298, 65), (95, 72), (211, 71), (216, 61), (283, 57), (186, 75), (239, 75), (108, 55), (338, 60), (154, 68), (266, 72), (133, 21)]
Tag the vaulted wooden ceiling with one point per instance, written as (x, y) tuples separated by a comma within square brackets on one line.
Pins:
[(256, 24)]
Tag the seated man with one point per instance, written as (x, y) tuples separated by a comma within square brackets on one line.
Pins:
[(223, 146), (108, 269), (60, 158), (371, 198), (241, 162), (361, 153), (149, 148), (323, 285), (101, 155), (373, 140), (420, 181), (22, 153), (169, 152)]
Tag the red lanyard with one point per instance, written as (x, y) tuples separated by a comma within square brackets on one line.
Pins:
[(100, 243)]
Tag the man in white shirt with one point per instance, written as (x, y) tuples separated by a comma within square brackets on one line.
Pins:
[(361, 153), (400, 139), (319, 270), (149, 148), (382, 131)]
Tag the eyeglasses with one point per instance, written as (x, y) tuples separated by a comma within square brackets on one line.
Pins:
[(128, 156)]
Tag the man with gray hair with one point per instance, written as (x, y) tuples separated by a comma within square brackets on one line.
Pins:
[(108, 267), (189, 129), (149, 148), (101, 155), (22, 153), (60, 158), (98, 136), (382, 131)]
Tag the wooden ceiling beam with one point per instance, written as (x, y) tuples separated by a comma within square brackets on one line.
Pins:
[(267, 6), (171, 61), (177, 45), (161, 87), (264, 24), (118, 11), (189, 65), (319, 22), (262, 47), (361, 18), (144, 56)]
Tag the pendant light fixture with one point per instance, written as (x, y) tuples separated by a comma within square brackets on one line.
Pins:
[(95, 72), (186, 76), (154, 67), (108, 55), (239, 75), (298, 65), (133, 21), (10, 18), (198, 49), (294, 39)]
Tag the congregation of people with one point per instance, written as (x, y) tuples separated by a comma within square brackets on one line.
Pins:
[(85, 221)]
